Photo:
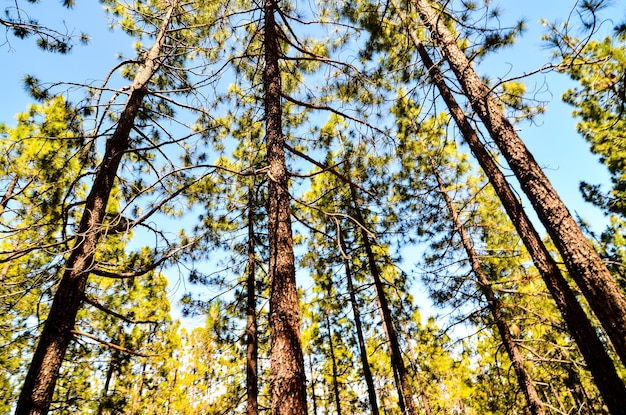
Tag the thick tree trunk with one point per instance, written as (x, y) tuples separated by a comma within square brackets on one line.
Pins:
[(367, 373), (404, 388), (38, 387), (287, 377), (583, 263), (598, 361), (524, 379), (252, 387)]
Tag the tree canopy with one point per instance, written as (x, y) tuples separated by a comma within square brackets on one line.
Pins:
[(324, 208)]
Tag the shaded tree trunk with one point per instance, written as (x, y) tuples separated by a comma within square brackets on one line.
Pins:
[(38, 388), (402, 382), (583, 263), (252, 387), (333, 362), (107, 382), (418, 376), (313, 395), (367, 373), (591, 347), (524, 379), (287, 377)]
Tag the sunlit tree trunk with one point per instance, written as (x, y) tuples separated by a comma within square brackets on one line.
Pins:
[(405, 394), (287, 377), (38, 387), (583, 263), (598, 361), (524, 379), (367, 373)]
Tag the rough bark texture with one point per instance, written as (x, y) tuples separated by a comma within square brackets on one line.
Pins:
[(583, 263), (524, 379), (252, 386), (367, 373), (591, 347), (287, 377), (38, 387), (405, 393)]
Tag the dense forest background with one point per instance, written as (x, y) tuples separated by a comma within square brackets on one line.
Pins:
[(339, 192)]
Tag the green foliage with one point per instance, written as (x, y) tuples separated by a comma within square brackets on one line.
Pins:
[(364, 134), (599, 101), (18, 22)]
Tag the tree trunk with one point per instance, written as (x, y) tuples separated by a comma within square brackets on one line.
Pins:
[(367, 373), (8, 194), (583, 263), (600, 364), (107, 382), (134, 404), (418, 376), (252, 387), (333, 362), (38, 387), (313, 396), (524, 379), (287, 377), (404, 388)]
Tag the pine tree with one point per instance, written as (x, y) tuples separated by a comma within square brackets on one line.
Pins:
[(583, 263)]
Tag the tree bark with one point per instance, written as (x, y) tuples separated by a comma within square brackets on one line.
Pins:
[(287, 377), (38, 388), (313, 396), (418, 376), (591, 347), (8, 194), (405, 394), (252, 387), (333, 362), (367, 373), (107, 381), (583, 263), (524, 379)]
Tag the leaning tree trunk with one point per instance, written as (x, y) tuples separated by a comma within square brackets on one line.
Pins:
[(524, 379), (38, 388), (598, 361), (583, 263), (367, 373), (404, 388), (252, 385), (287, 377)]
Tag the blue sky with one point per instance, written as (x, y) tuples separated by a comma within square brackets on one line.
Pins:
[(553, 140)]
